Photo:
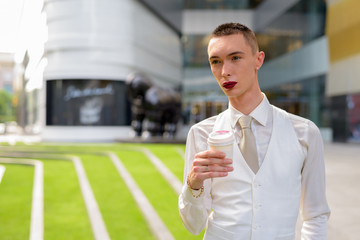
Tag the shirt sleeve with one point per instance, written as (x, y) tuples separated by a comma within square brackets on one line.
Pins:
[(314, 208), (194, 211)]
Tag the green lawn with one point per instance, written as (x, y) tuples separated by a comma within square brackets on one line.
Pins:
[(117, 206), (64, 208), (15, 202), (65, 215), (170, 156)]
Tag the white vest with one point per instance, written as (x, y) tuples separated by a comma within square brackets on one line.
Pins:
[(264, 206)]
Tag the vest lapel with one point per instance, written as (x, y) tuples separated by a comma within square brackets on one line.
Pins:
[(271, 142)]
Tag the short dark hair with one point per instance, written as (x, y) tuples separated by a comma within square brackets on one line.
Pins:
[(237, 28)]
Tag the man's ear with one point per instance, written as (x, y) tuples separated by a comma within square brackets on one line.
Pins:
[(260, 59)]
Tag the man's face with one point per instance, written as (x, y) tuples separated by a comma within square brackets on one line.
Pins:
[(234, 64)]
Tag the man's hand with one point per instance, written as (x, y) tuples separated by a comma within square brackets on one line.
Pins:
[(208, 164)]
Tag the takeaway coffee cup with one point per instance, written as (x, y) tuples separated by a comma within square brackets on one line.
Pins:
[(222, 141)]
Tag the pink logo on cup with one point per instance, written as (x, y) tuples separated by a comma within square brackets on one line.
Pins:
[(222, 132)]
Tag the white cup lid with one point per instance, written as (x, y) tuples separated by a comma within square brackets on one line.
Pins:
[(220, 138)]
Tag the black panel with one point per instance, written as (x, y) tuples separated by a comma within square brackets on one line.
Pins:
[(339, 118), (86, 103)]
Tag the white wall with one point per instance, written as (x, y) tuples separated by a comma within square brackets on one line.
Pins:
[(157, 47), (344, 77), (85, 134), (108, 39), (205, 21)]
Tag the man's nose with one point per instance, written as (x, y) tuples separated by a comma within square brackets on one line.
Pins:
[(226, 70)]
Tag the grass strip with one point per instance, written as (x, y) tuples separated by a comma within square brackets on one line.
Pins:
[(119, 210), (157, 190), (15, 201), (65, 212), (169, 155)]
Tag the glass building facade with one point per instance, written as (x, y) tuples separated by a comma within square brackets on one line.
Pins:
[(299, 25)]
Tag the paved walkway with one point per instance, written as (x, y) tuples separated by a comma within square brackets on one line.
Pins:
[(343, 190), (2, 171), (342, 163), (96, 220)]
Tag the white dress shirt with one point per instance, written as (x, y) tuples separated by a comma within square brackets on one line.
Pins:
[(313, 171)]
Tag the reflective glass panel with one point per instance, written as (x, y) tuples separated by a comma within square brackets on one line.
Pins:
[(221, 4), (302, 23)]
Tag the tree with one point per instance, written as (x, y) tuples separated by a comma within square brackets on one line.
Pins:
[(7, 111)]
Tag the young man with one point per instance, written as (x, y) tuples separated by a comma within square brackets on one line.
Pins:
[(258, 196)]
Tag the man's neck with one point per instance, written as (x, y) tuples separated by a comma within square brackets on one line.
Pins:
[(247, 102)]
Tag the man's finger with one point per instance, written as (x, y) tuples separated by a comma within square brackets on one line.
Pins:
[(211, 161), (213, 168), (210, 154), (215, 174)]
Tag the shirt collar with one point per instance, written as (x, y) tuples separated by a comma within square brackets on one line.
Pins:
[(260, 113)]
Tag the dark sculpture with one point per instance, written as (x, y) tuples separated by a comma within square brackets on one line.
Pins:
[(160, 107)]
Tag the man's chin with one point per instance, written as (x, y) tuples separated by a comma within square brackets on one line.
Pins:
[(232, 94)]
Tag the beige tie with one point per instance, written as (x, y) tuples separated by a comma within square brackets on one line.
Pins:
[(247, 143)]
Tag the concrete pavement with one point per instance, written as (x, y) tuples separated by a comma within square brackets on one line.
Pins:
[(342, 162)]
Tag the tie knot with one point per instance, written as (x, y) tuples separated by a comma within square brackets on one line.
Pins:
[(245, 121)]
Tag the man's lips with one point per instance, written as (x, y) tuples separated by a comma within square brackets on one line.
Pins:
[(229, 84)]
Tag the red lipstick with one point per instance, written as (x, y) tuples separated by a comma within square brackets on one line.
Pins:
[(229, 84)]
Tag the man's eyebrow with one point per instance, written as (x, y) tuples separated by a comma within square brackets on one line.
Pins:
[(213, 57), (236, 53), (233, 53)]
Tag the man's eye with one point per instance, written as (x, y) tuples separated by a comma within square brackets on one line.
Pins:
[(235, 58), (213, 62)]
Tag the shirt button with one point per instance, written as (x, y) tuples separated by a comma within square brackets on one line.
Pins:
[(256, 227), (257, 206), (256, 185)]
